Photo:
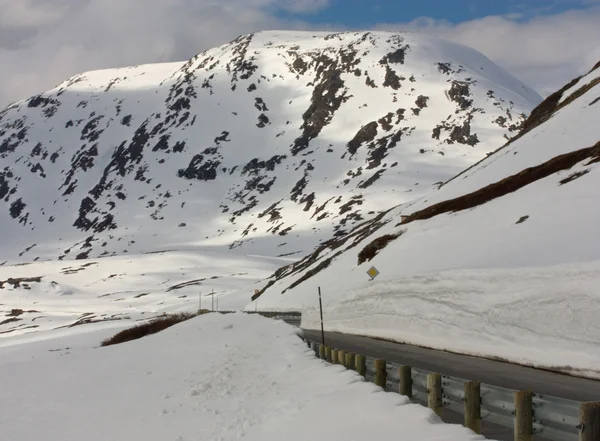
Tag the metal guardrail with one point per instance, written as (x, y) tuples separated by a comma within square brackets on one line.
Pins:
[(556, 418), (553, 418)]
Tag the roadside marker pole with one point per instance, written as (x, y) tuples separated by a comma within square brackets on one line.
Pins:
[(321, 308)]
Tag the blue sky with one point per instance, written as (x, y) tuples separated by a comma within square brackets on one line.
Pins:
[(365, 13)]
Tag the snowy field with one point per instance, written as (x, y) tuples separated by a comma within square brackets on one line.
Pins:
[(212, 378), (86, 295)]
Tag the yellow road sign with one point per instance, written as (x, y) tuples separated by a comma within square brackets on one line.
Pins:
[(373, 272)]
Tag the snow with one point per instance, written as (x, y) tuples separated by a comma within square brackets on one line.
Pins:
[(514, 278), (115, 292), (541, 317), (215, 377)]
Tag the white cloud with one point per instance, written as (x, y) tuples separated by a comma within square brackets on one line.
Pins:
[(544, 52), (43, 42)]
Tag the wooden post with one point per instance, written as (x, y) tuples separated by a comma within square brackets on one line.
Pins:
[(361, 364), (342, 357), (350, 361), (589, 418), (334, 356), (473, 406), (328, 353), (523, 415), (405, 375), (434, 393), (322, 352), (381, 373)]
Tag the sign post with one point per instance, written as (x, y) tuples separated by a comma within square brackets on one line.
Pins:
[(321, 308)]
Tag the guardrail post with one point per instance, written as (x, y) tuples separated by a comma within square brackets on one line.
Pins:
[(334, 356), (361, 364), (523, 415), (328, 353), (322, 352), (473, 406), (434, 393), (380, 373), (405, 375), (589, 419), (342, 357), (350, 361)]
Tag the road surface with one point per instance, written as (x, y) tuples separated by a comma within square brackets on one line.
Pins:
[(491, 372)]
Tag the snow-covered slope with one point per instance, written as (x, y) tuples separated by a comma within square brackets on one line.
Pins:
[(503, 260), (274, 134), (211, 378)]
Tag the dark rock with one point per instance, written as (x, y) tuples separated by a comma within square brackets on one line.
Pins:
[(364, 135), (386, 122), (421, 101), (392, 79), (255, 165), (263, 120), (459, 93), (396, 57), (200, 170), (16, 208), (326, 100)]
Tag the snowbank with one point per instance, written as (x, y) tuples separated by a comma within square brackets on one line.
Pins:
[(211, 378), (543, 317)]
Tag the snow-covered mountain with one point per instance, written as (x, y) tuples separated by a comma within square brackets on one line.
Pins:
[(277, 139), (503, 260)]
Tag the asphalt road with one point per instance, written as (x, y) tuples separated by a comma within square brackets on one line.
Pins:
[(491, 372)]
